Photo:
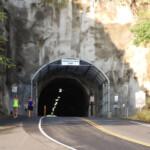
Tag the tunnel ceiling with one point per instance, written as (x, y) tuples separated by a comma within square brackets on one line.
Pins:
[(83, 68)]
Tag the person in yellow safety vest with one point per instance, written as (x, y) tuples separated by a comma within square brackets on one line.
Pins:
[(15, 106)]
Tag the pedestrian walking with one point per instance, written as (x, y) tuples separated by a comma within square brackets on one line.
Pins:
[(15, 106), (30, 105)]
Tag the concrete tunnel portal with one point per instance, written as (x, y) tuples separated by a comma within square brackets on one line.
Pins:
[(70, 87)]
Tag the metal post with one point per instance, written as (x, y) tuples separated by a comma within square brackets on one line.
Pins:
[(44, 110), (127, 111), (31, 90), (108, 99), (103, 109), (36, 99), (126, 96)]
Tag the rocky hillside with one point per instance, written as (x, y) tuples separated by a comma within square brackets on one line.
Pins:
[(94, 30)]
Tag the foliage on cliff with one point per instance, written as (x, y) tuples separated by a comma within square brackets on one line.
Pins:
[(142, 28), (59, 3), (2, 16), (142, 31), (4, 60)]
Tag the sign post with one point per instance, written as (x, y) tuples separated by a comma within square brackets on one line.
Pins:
[(92, 113), (44, 110), (116, 106)]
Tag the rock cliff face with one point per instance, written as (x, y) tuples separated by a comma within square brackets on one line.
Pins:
[(94, 31), (4, 104)]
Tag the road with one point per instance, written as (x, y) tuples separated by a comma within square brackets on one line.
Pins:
[(64, 133)]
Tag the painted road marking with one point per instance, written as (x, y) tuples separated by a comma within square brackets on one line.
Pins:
[(115, 134), (6, 127), (140, 123), (40, 128)]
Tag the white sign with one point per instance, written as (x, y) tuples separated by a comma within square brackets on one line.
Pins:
[(123, 105), (140, 99), (70, 62), (91, 98), (14, 88), (116, 98)]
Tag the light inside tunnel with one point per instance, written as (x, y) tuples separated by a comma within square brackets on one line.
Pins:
[(60, 90), (69, 100)]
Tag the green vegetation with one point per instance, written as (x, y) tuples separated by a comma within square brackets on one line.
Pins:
[(59, 3), (142, 29), (2, 16), (4, 60), (144, 114)]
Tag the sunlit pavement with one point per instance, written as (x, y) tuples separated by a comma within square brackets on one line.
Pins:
[(87, 136), (73, 132)]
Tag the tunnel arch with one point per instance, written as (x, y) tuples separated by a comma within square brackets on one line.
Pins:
[(78, 73)]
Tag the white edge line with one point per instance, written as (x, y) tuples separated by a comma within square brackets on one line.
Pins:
[(140, 123), (51, 137)]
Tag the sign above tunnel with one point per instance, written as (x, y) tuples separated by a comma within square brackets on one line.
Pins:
[(70, 62)]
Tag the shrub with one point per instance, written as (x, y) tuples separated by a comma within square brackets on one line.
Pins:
[(142, 28), (142, 32), (144, 115)]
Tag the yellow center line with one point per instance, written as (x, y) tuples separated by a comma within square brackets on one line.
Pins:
[(6, 127), (115, 134)]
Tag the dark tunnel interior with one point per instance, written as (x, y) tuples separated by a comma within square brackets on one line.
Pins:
[(63, 97)]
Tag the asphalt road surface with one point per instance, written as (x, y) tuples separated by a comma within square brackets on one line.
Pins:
[(64, 133)]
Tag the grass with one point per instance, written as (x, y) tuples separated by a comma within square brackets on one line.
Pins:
[(143, 115)]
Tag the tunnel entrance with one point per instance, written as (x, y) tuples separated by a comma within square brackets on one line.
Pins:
[(63, 97), (71, 87)]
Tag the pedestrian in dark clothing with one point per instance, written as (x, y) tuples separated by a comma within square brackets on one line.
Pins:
[(30, 105)]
